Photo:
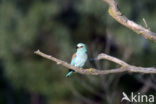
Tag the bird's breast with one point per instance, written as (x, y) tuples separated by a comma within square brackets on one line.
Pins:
[(80, 60)]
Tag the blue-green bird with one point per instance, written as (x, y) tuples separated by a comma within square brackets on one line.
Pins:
[(79, 58)]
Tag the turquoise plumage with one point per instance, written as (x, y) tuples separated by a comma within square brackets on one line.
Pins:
[(79, 58)]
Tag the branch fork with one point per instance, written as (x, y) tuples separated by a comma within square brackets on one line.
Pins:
[(91, 71), (117, 15), (125, 67)]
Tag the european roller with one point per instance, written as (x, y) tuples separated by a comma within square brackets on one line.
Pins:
[(79, 58)]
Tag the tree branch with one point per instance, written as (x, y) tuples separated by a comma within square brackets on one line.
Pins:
[(117, 15), (91, 71)]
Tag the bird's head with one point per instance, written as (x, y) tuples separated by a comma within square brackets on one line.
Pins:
[(81, 47)]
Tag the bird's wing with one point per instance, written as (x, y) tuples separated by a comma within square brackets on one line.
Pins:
[(73, 59), (74, 55)]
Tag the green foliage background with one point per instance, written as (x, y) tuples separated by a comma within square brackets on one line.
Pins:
[(55, 27)]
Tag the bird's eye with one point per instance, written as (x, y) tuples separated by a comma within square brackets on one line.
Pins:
[(78, 47)]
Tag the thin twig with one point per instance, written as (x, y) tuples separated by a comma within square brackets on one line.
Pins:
[(91, 71), (146, 26)]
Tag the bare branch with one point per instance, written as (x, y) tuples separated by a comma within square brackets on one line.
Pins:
[(91, 71), (110, 58), (117, 15)]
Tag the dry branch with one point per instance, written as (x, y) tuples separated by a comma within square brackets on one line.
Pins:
[(91, 71), (117, 15)]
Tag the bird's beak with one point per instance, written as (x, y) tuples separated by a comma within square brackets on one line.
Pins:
[(78, 47)]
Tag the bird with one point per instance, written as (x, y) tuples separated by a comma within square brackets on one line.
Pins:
[(79, 58)]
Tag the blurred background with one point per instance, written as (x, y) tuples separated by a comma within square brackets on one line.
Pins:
[(55, 27)]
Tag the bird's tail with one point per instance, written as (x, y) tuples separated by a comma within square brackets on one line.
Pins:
[(69, 73)]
